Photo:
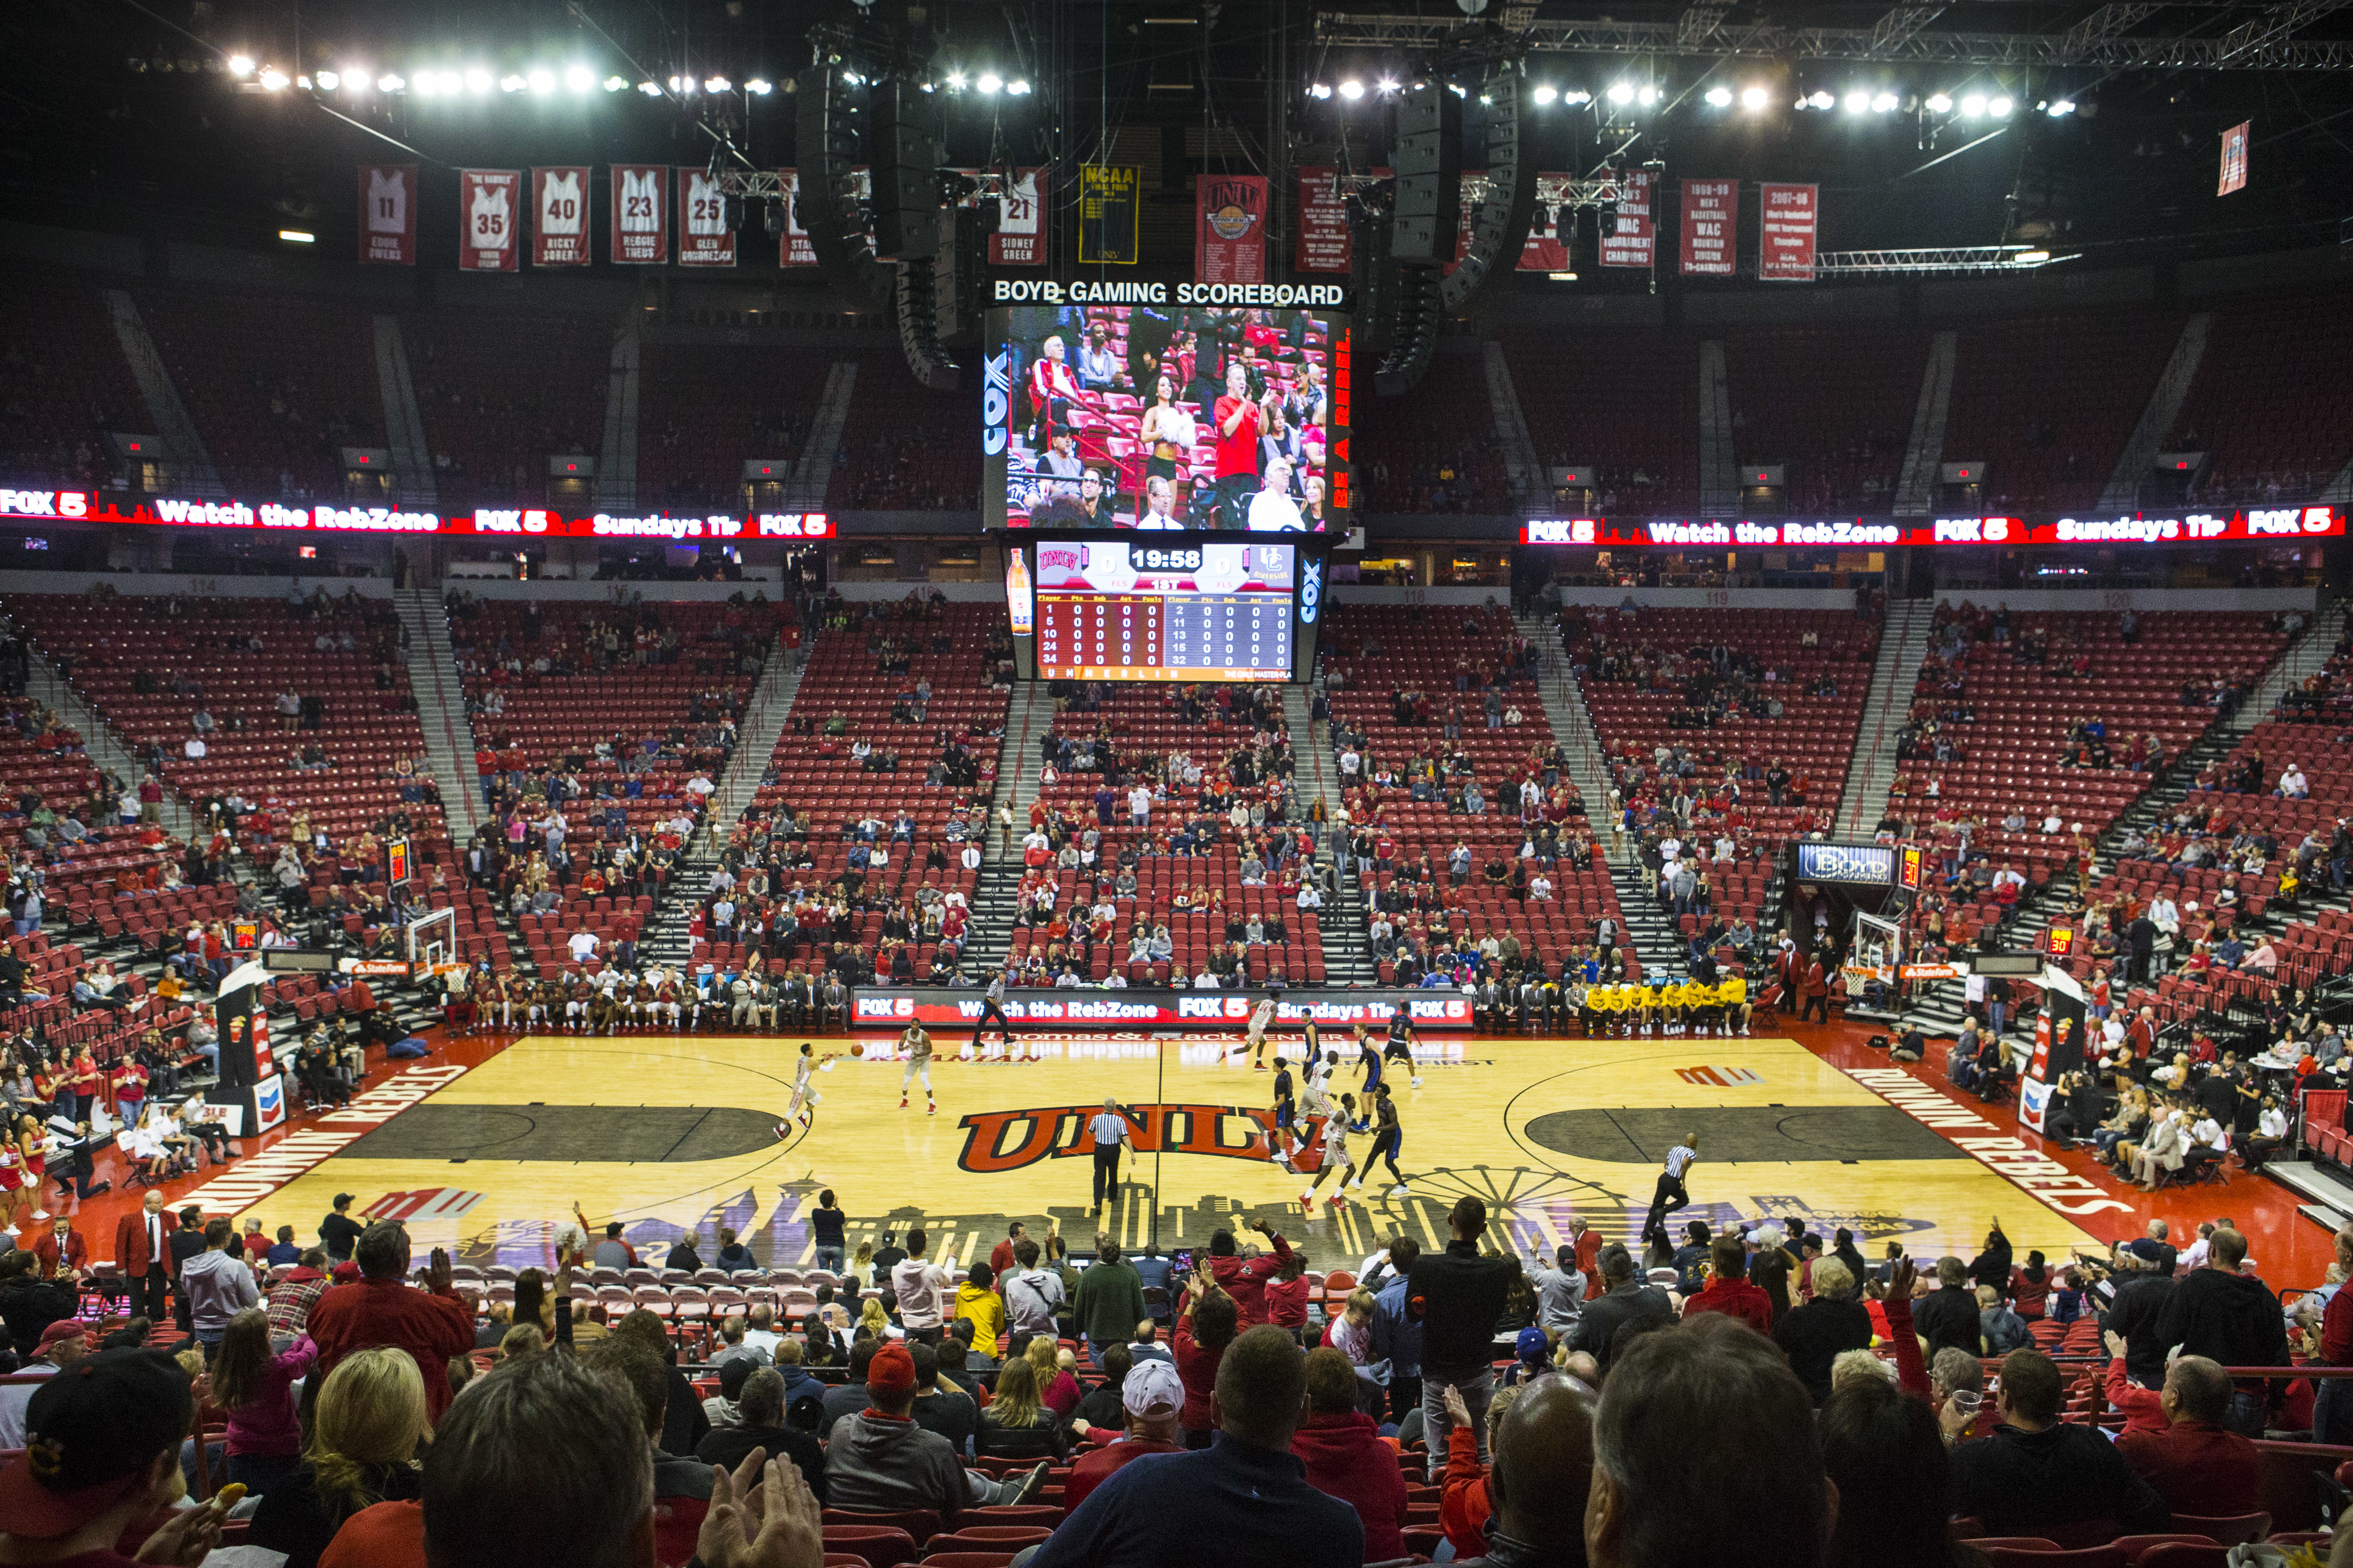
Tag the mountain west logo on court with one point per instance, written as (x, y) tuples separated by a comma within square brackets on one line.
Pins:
[(1719, 1077)]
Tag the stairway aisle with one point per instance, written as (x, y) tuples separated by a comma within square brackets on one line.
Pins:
[(1902, 644), (1028, 714), (106, 749), (1651, 928), (441, 711), (1347, 917), (1572, 725)]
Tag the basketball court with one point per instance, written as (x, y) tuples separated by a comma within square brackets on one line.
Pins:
[(674, 1134)]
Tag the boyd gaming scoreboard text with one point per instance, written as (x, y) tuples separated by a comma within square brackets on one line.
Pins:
[(1121, 610)]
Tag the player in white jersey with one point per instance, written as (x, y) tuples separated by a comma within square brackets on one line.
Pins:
[(803, 1108), (1315, 1084), (1255, 1036), (917, 1044), (1337, 1161)]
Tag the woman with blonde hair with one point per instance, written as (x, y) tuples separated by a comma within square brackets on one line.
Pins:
[(861, 1263), (364, 1435), (1058, 1387), (875, 1323), (1017, 1424)]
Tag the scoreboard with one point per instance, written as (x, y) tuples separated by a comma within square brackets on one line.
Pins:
[(1128, 609)]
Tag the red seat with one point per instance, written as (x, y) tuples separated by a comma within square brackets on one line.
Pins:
[(2237, 1530), (2083, 1557), (922, 1523), (676, 1523), (881, 1547), (2184, 1554)]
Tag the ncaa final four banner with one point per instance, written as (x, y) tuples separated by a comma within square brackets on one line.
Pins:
[(559, 217), (640, 214), (388, 215), (705, 238), (1230, 233), (489, 204)]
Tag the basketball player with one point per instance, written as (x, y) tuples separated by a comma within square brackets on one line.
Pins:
[(577, 993), (666, 998), (803, 1108), (1286, 1111), (1388, 1136), (1368, 1062), (917, 1044), (1670, 1194), (503, 1001), (1337, 1161), (1316, 1084), (992, 1005), (1401, 1045), (1255, 1036)]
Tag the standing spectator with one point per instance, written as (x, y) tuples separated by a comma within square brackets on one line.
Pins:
[(143, 1254), (292, 1295), (1947, 1316), (1109, 1300), (1244, 1278), (924, 1289), (1205, 1329), (1032, 1295), (2232, 1320), (1345, 1457), (338, 1233), (218, 1287), (1625, 1301), (1247, 1492), (1560, 1292), (256, 1386), (1728, 1291), (1815, 1334), (828, 1232), (1460, 1294), (432, 1325)]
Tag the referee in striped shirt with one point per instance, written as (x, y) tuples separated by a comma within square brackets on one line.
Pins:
[(1670, 1194)]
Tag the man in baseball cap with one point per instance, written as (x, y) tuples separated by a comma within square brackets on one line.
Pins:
[(1152, 1396), (880, 1459), (102, 1457)]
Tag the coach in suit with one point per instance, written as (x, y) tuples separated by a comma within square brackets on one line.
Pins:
[(143, 1250)]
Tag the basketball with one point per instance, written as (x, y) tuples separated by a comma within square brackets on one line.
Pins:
[(857, 1049)]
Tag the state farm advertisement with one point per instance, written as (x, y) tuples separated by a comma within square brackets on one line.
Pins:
[(940, 1008)]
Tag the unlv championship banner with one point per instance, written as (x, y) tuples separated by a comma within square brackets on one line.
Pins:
[(489, 202), (1324, 244), (705, 238), (388, 215), (559, 214), (1630, 239), (1229, 231), (1711, 222), (640, 214), (1020, 237), (1786, 250)]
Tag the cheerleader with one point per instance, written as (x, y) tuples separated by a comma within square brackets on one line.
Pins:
[(13, 1200), (33, 1144)]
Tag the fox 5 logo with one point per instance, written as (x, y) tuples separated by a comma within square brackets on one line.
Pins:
[(904, 1007), (1236, 1007)]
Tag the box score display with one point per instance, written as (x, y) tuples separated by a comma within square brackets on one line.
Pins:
[(1128, 637)]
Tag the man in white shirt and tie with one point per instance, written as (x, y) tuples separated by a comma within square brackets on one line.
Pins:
[(1109, 1133), (1670, 1194)]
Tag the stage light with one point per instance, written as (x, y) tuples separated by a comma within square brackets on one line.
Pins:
[(304, 82), (240, 64), (1547, 93), (388, 82), (1018, 86), (2030, 259), (328, 80), (1883, 103), (1321, 90), (511, 83), (716, 84), (541, 80), (1351, 90), (989, 81), (1649, 96), (427, 84), (580, 79), (1754, 98), (298, 237), (272, 78), (651, 89), (1577, 95), (1820, 98), (1973, 105), (479, 80), (1857, 103), (615, 84), (357, 81), (852, 78), (1720, 98), (760, 87), (2061, 107), (1939, 103), (1388, 84), (956, 84), (1622, 92), (1999, 108), (1458, 89)]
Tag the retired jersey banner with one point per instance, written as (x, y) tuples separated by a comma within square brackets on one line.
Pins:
[(489, 204), (389, 214), (2235, 158), (1020, 237), (705, 238), (1630, 238), (1229, 229), (1711, 222), (559, 217), (640, 214), (1324, 244), (1786, 250)]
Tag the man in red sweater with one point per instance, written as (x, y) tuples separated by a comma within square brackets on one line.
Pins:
[(1729, 1291), (1345, 1457), (1244, 1278), (1237, 423), (1152, 1396), (381, 1309), (2193, 1464)]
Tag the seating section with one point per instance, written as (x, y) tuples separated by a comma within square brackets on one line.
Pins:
[(703, 409), (2046, 402), (2272, 373), (276, 384), (147, 664), (1390, 658), (906, 447), (2004, 698), (1652, 680), (499, 388), (1435, 450), (1833, 404), (68, 382), (1623, 400), (1118, 735)]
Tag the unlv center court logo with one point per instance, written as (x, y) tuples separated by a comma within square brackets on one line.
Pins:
[(998, 1141)]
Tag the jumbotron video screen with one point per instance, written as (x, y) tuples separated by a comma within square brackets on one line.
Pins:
[(1169, 607), (1167, 418)]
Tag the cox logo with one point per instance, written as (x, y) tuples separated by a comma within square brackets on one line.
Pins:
[(996, 403), (1311, 591)]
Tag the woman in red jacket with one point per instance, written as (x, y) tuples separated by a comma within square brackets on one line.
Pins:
[(1203, 1329)]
